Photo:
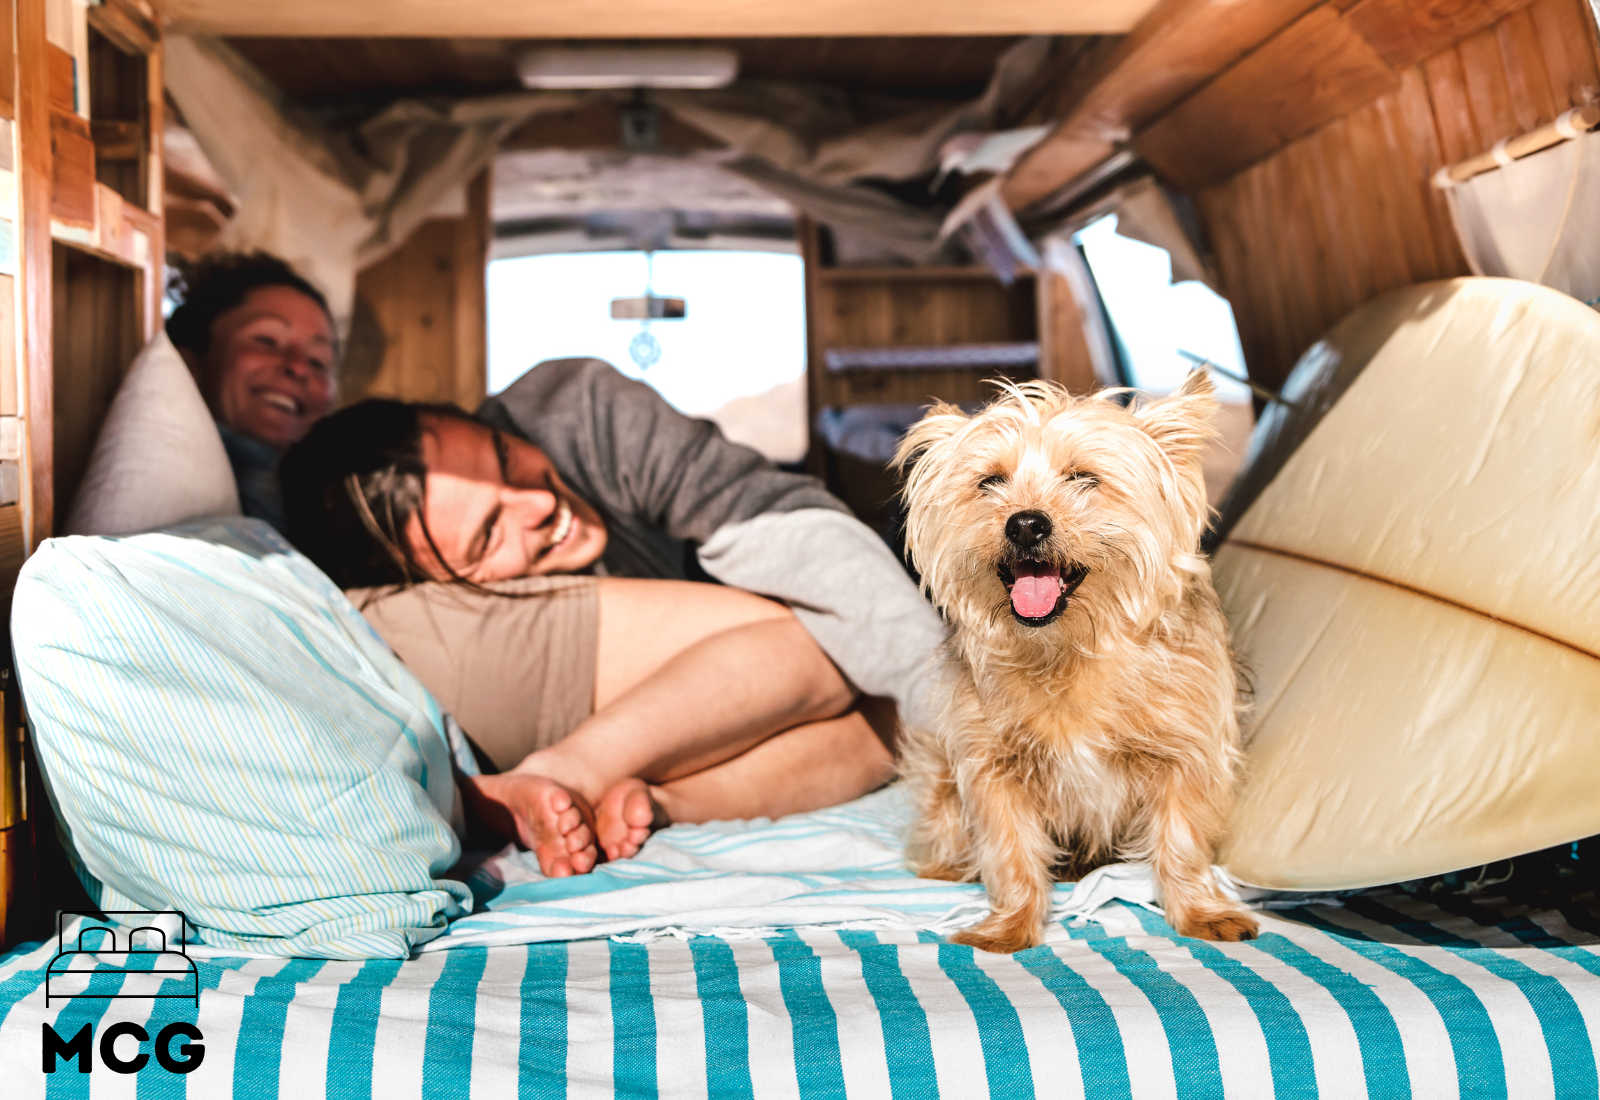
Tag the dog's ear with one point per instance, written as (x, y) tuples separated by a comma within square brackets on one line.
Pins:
[(939, 423), (1183, 423)]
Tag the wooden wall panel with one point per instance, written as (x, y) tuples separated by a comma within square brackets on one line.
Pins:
[(97, 332), (427, 299), (1342, 214)]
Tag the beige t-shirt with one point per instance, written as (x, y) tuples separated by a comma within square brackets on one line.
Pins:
[(515, 668)]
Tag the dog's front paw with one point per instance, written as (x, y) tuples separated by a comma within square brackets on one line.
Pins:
[(945, 872), (1225, 925), (1002, 933)]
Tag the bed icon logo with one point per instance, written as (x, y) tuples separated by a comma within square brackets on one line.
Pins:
[(124, 955)]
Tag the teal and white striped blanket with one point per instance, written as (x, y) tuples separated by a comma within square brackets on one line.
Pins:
[(827, 980), (1385, 997), (842, 867)]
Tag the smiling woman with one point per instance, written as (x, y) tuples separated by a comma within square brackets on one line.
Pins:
[(260, 342)]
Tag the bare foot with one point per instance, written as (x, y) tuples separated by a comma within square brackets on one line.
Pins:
[(543, 815), (625, 817)]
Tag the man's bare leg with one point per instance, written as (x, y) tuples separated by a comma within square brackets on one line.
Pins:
[(805, 768), (687, 677)]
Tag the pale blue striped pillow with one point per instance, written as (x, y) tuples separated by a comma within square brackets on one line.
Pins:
[(222, 733)]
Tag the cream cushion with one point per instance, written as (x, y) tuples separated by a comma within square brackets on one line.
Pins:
[(1417, 595), (158, 459)]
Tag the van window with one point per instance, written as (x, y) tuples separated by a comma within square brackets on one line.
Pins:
[(738, 357), (1152, 318)]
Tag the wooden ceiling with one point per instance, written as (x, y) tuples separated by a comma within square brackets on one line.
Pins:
[(649, 18), (318, 70)]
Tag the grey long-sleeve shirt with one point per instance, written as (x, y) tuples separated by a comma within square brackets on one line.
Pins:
[(667, 484)]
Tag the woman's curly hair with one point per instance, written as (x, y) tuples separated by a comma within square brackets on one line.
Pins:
[(219, 281)]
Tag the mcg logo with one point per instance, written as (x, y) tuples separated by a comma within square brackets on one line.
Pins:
[(97, 966)]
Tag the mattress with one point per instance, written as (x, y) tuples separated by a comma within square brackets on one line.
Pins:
[(1388, 994)]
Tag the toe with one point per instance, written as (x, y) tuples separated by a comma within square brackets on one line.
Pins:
[(637, 810), (579, 838)]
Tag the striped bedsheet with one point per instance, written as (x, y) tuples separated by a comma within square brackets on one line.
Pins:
[(1388, 995)]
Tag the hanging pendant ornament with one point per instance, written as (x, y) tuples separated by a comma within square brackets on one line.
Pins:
[(645, 348)]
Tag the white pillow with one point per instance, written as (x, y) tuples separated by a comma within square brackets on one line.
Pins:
[(158, 459)]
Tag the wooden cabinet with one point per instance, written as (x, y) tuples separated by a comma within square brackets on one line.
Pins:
[(81, 281)]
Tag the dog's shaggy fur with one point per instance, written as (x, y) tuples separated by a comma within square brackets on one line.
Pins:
[(1093, 711)]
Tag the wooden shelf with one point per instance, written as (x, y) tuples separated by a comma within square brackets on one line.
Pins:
[(910, 274)]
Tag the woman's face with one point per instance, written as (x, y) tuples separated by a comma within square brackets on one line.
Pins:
[(269, 371), (497, 509)]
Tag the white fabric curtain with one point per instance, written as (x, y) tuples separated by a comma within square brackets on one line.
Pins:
[(1536, 218)]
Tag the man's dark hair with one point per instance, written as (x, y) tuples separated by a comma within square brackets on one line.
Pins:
[(351, 488), (220, 281)]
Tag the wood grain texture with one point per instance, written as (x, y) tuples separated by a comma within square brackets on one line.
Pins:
[(60, 82), (648, 18), (8, 58), (1308, 233), (1404, 32), (1314, 71), (97, 332), (1126, 84), (427, 299), (333, 71), (72, 183), (34, 61), (9, 406)]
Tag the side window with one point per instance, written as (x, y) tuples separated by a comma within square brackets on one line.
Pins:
[(1153, 320)]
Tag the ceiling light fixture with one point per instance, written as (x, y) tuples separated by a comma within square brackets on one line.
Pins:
[(581, 67)]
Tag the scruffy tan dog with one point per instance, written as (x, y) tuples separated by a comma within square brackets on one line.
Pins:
[(1093, 713)]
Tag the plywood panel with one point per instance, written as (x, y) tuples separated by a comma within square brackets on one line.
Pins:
[(427, 300), (1315, 70), (34, 64), (1349, 211), (8, 57), (1405, 32), (1127, 84), (97, 332)]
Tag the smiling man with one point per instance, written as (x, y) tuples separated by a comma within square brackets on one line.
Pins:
[(260, 342), (622, 689)]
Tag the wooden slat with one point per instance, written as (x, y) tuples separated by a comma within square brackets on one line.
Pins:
[(8, 58), (1179, 46), (1533, 98), (1404, 32), (648, 18), (1314, 71), (1423, 140), (1487, 94), (1447, 92), (72, 187), (471, 359), (1349, 211), (116, 140), (97, 334), (33, 138), (9, 406), (133, 30), (1566, 34), (61, 86)]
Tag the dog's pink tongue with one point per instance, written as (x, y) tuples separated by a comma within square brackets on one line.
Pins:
[(1038, 587)]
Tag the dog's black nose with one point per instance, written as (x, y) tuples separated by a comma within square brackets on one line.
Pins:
[(1026, 530)]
